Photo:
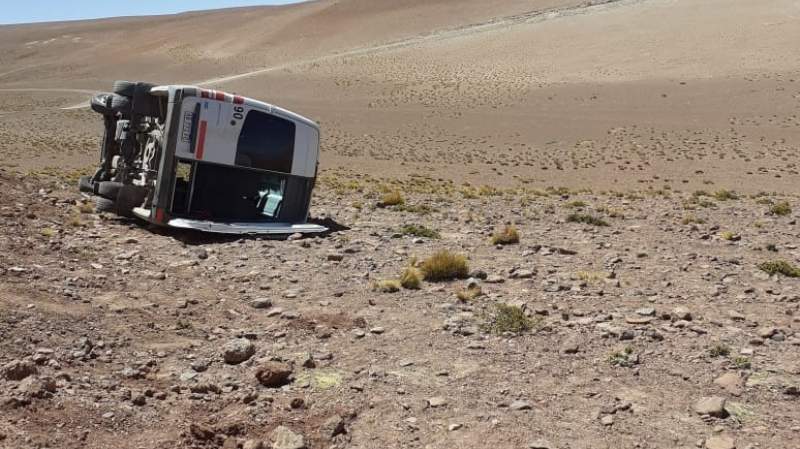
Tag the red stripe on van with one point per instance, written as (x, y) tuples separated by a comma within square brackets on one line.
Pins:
[(220, 96), (201, 140), (204, 94), (238, 99)]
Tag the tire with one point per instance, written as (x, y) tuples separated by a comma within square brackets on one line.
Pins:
[(109, 189), (121, 104), (104, 205), (128, 198), (124, 88), (85, 184), (101, 103)]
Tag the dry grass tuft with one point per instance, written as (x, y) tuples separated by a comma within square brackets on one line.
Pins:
[(445, 265), (586, 219), (781, 209), (469, 293), (411, 278), (780, 267), (386, 286), (508, 236), (393, 198)]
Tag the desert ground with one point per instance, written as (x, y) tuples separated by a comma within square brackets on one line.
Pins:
[(617, 182)]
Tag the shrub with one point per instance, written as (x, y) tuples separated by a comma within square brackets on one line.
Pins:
[(509, 235), (509, 319), (781, 209), (419, 231), (47, 232), (719, 350), (392, 198), (742, 362), (85, 208), (586, 219), (691, 219), (576, 204), (411, 278), (445, 265), (729, 236), (622, 358), (386, 286), (780, 267), (725, 195)]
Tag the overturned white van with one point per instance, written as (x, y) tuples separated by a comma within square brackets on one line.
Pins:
[(187, 157)]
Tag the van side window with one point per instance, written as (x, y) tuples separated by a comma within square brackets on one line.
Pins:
[(266, 142)]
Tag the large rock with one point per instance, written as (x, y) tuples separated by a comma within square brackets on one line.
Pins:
[(711, 406), (273, 374), (237, 351), (18, 370), (284, 438)]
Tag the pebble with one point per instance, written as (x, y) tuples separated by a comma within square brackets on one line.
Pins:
[(237, 351), (273, 374), (520, 405), (261, 303), (720, 442), (437, 401)]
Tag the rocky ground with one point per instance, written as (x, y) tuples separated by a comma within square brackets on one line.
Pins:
[(648, 323)]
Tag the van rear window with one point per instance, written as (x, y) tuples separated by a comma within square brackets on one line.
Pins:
[(266, 142)]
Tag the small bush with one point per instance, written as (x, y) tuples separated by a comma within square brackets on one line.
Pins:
[(725, 195), (780, 267), (509, 319), (622, 358), (386, 286), (576, 204), (419, 231), (586, 219), (445, 265), (411, 278), (469, 293), (393, 198), (719, 350), (419, 209), (85, 208), (781, 209), (691, 219), (742, 362), (729, 236), (509, 235), (48, 232)]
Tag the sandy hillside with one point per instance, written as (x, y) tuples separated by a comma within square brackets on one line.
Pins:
[(620, 177)]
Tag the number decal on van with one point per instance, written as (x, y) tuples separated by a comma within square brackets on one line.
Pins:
[(238, 113)]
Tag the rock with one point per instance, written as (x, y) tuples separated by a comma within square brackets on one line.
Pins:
[(39, 388), (539, 444), (494, 279), (437, 402), (261, 303), (570, 346), (253, 444), (377, 330), (273, 374), (295, 236), (736, 316), (731, 382), (201, 432), (333, 426), (638, 319), (720, 442), (682, 314), (520, 405), (139, 400), (522, 274), (646, 311), (711, 406), (455, 426), (237, 351), (284, 438), (18, 370), (767, 332), (335, 257), (607, 420)]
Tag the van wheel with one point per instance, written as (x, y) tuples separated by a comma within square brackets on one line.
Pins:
[(124, 88), (130, 197), (85, 184), (109, 189), (104, 205)]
